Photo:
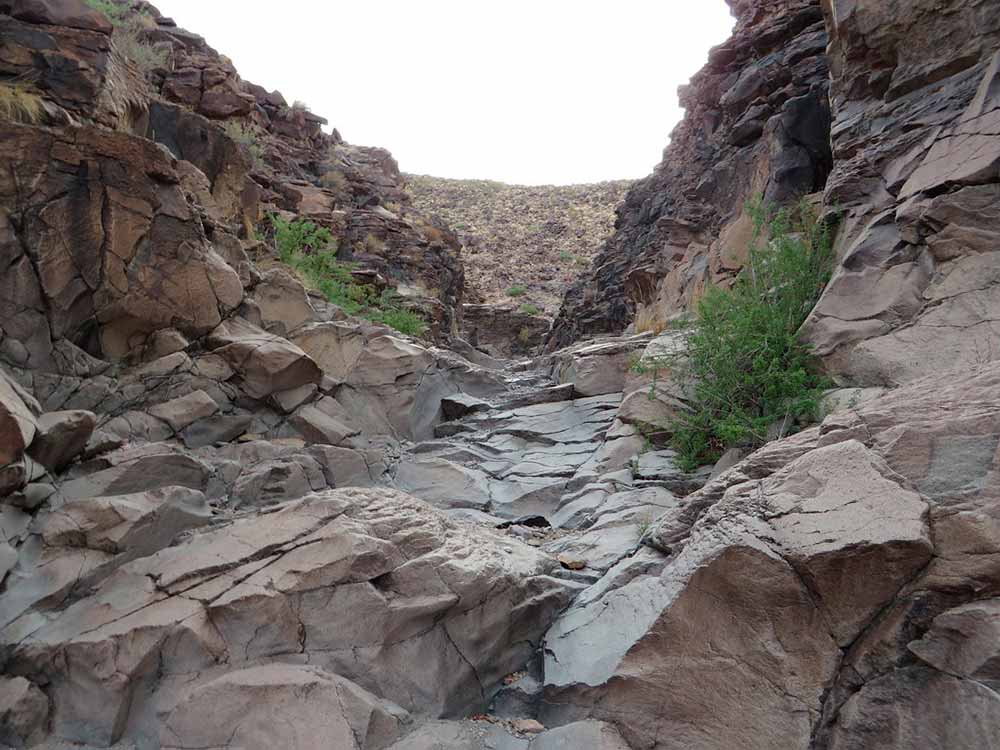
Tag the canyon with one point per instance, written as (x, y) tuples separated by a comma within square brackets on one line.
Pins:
[(237, 513)]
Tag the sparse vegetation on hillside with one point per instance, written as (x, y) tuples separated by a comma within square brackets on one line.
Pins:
[(312, 251), (517, 291), (748, 370), (248, 137), (540, 236), (529, 309), (18, 103), (129, 27)]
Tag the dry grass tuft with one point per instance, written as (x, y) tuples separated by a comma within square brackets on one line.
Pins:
[(18, 103)]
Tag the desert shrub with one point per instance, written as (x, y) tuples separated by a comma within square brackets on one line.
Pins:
[(565, 256), (524, 336), (373, 244), (517, 291), (128, 36), (248, 137), (296, 238), (334, 180), (529, 309), (312, 251), (747, 367), (18, 103)]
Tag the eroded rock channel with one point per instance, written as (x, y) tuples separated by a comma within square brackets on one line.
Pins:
[(233, 515)]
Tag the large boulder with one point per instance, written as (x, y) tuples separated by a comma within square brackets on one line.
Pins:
[(281, 705)]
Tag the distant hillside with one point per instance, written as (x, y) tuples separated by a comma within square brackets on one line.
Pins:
[(540, 238)]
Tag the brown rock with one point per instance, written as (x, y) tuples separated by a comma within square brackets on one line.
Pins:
[(62, 436), (24, 710), (264, 362)]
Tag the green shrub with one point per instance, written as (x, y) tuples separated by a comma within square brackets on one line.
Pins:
[(517, 291), (529, 309), (312, 251), (747, 368)]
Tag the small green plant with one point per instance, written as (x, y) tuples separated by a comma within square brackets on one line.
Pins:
[(312, 251), (565, 256), (18, 103), (248, 137), (524, 336), (517, 291), (645, 525), (529, 309), (746, 365)]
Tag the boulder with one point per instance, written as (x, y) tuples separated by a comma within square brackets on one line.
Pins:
[(24, 710), (17, 423), (183, 411), (111, 208), (61, 437), (264, 362), (281, 705)]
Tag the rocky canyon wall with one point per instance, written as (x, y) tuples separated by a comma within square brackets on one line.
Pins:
[(234, 515), (907, 161), (757, 122)]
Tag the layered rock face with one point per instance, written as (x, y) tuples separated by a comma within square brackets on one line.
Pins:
[(757, 122), (916, 91)]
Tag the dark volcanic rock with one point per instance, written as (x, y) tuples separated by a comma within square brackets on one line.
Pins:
[(757, 122)]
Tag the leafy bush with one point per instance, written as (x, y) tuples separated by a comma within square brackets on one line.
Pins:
[(529, 309), (748, 369), (248, 137), (517, 291), (312, 251), (18, 103)]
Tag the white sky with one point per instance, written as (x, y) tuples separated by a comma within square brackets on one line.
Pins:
[(533, 92)]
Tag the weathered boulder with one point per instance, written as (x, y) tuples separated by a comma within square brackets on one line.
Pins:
[(61, 437), (280, 705), (264, 362), (24, 710), (17, 424)]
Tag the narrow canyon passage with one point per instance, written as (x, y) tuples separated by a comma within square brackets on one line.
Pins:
[(298, 451)]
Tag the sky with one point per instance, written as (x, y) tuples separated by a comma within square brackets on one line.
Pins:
[(520, 91)]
